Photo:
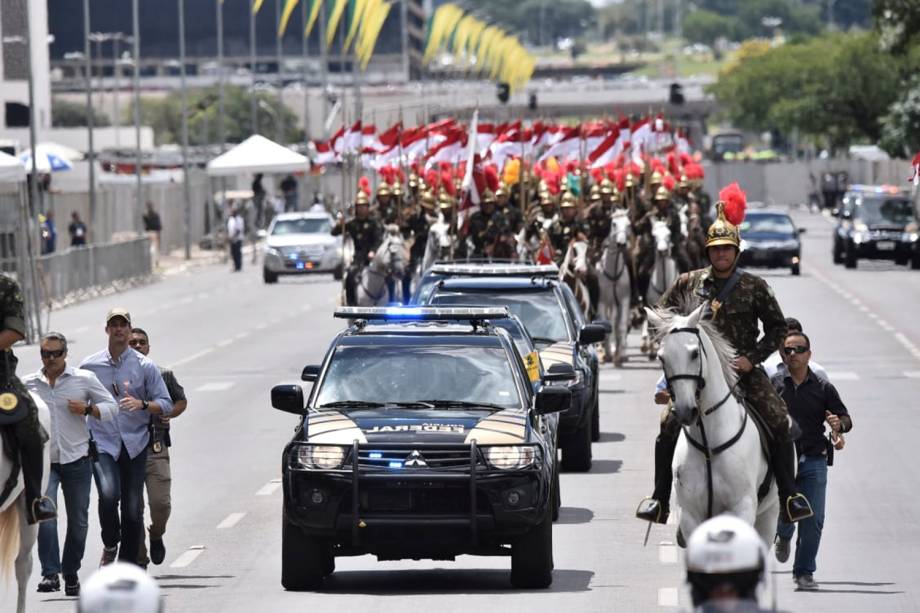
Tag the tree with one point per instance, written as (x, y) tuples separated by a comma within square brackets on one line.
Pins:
[(706, 27), (898, 23), (901, 125), (66, 114)]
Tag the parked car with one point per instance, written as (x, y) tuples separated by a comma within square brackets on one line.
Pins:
[(300, 243)]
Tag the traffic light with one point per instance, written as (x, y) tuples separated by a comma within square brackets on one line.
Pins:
[(677, 94), (503, 92), (532, 101)]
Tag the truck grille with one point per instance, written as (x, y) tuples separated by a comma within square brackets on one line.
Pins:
[(420, 458)]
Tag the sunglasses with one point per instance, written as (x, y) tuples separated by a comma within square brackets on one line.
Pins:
[(52, 354), (796, 349)]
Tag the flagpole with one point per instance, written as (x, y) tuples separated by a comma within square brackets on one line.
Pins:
[(185, 186), (253, 118), (87, 56), (137, 115), (306, 94), (221, 134), (279, 79), (324, 63)]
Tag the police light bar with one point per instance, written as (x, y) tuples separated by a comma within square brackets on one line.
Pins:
[(493, 270), (422, 313)]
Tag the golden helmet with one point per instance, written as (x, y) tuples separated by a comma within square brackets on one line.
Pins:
[(414, 181), (662, 194), (630, 180), (546, 198), (383, 190), (488, 196), (428, 200), (445, 200), (568, 201), (397, 190), (594, 194), (607, 187), (722, 231), (684, 182), (656, 178), (361, 198), (502, 191)]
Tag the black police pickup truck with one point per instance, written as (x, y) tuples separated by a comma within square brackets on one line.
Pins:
[(422, 438)]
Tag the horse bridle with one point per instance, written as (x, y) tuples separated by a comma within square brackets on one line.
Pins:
[(700, 380)]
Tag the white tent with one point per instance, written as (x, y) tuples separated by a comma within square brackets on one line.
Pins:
[(11, 169), (257, 154)]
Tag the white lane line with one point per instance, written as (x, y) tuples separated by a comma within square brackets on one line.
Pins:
[(269, 488), (188, 556), (843, 376), (241, 336), (667, 553), (225, 343), (230, 521), (192, 357), (218, 386), (262, 326), (610, 376), (668, 597), (912, 374)]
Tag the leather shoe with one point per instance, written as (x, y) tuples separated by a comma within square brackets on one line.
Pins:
[(805, 582), (71, 585), (653, 511), (781, 549), (43, 509), (796, 509), (49, 583), (157, 551), (108, 555)]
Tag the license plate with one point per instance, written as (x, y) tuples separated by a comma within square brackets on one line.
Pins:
[(385, 500), (885, 245)]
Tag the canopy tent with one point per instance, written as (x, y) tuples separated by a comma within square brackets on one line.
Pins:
[(257, 154), (11, 169)]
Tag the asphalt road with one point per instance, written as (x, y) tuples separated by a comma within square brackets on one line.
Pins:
[(230, 338)]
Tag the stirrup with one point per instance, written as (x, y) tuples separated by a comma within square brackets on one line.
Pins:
[(652, 510), (798, 514)]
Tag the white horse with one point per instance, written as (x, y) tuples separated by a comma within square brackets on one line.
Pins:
[(574, 271), (439, 245), (664, 273), (697, 360), (389, 263), (613, 278), (17, 537)]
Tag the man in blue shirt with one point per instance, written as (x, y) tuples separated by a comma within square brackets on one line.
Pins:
[(137, 386)]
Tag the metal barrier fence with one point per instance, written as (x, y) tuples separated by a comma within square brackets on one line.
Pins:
[(69, 275)]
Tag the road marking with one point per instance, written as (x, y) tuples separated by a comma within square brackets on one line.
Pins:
[(188, 556), (218, 386), (225, 343), (912, 374), (241, 336), (667, 553), (610, 376), (668, 597), (843, 376), (261, 326), (269, 488), (230, 521), (192, 357)]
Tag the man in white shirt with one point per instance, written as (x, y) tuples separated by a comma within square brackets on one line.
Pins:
[(72, 395), (236, 231)]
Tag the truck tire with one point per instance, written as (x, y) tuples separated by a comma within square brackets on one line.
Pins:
[(596, 419), (305, 559), (268, 276), (557, 495), (532, 556), (849, 258), (576, 449)]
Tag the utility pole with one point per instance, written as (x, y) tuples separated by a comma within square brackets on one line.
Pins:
[(324, 65), (116, 38), (137, 115), (221, 135), (185, 186), (404, 28), (88, 58), (305, 44), (279, 79), (253, 111)]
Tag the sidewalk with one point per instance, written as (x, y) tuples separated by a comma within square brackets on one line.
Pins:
[(174, 262)]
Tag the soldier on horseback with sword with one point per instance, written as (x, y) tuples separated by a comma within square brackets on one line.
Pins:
[(737, 301)]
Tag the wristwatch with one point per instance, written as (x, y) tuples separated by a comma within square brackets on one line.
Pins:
[(145, 405)]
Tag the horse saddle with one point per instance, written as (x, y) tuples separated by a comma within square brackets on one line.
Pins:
[(766, 444)]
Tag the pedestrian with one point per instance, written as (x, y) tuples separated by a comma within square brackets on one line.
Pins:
[(77, 230), (73, 396), (140, 392), (236, 231), (159, 477), (153, 226), (776, 364), (258, 199), (18, 411), (289, 189), (49, 233), (812, 402)]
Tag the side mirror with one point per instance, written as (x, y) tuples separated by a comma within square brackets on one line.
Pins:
[(310, 372), (552, 399), (847, 215), (803, 230), (262, 233), (591, 333), (606, 325), (559, 372), (288, 398)]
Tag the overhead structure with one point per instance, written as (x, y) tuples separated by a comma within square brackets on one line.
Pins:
[(257, 154), (11, 169)]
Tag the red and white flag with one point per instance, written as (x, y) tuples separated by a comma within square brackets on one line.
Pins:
[(324, 154), (352, 139), (915, 165)]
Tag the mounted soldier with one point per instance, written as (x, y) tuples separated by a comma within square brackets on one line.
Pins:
[(486, 227), (366, 234), (737, 303)]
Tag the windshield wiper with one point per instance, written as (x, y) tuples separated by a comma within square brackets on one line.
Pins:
[(351, 404), (414, 404), (463, 403), (544, 339)]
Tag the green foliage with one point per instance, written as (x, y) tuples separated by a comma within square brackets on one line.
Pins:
[(165, 116), (66, 114), (901, 125), (706, 27), (835, 87), (898, 23)]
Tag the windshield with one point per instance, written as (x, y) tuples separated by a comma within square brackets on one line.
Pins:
[(540, 312), (317, 225), (895, 211), (773, 224), (406, 373)]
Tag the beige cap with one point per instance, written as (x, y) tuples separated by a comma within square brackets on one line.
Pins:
[(118, 312)]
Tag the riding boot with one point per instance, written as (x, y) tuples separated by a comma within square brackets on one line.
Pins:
[(31, 451), (658, 507), (793, 506), (350, 290)]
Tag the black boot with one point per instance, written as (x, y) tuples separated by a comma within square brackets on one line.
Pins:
[(38, 507), (657, 508), (350, 288), (793, 506)]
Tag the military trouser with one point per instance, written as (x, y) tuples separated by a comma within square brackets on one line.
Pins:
[(769, 405), (31, 438), (352, 275)]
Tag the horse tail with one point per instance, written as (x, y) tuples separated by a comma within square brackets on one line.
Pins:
[(9, 539)]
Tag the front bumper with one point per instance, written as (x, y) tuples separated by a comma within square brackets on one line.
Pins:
[(769, 258), (883, 249), (417, 513), (329, 260)]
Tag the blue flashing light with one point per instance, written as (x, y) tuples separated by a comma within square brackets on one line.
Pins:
[(375, 455), (292, 256), (403, 312), (395, 464), (299, 265)]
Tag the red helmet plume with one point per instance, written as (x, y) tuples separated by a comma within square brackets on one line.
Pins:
[(734, 201)]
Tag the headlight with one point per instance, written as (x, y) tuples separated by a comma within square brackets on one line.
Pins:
[(510, 457), (859, 237), (272, 251), (322, 457), (578, 380), (911, 237)]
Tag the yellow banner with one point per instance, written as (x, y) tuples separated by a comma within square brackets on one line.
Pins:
[(289, 7)]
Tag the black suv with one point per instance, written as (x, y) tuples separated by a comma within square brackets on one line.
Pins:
[(422, 438), (557, 325), (875, 223)]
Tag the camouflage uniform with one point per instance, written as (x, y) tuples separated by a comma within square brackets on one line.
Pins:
[(645, 256), (484, 230), (366, 235), (598, 215), (414, 227), (562, 232), (27, 431)]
